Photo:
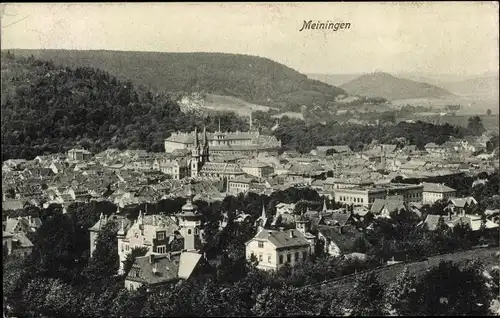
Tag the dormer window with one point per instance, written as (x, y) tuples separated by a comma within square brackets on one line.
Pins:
[(160, 235)]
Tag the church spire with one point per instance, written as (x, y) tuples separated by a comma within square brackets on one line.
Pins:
[(324, 205), (139, 218), (196, 143), (205, 138), (251, 122)]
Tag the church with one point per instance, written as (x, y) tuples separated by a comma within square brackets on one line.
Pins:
[(201, 165), (244, 143)]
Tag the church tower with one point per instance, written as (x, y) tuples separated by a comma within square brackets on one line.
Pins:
[(195, 155), (190, 223), (302, 224), (206, 152)]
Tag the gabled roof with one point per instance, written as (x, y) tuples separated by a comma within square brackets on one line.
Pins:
[(391, 205), (436, 187), (159, 268), (432, 221), (336, 218), (343, 237), (282, 239), (462, 202), (21, 238)]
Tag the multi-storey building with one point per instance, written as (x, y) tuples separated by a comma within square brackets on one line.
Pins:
[(162, 264), (273, 249), (433, 192), (79, 154), (225, 143), (365, 196), (331, 184), (154, 232), (257, 169)]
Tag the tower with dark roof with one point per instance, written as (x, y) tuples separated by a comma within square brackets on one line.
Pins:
[(195, 155), (190, 223), (301, 223), (206, 152)]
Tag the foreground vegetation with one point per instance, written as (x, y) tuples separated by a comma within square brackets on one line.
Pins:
[(59, 278)]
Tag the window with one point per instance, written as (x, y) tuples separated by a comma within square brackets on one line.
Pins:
[(161, 249), (260, 257), (126, 247), (261, 244), (281, 259), (269, 258), (189, 231), (196, 231), (288, 258), (160, 235), (297, 256)]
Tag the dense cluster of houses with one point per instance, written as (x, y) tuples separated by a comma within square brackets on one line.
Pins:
[(203, 166)]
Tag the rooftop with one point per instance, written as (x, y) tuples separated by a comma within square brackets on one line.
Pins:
[(283, 239)]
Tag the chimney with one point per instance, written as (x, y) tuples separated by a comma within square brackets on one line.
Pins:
[(291, 234), (151, 258)]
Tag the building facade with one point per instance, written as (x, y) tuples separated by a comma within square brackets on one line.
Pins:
[(365, 196), (225, 143), (274, 249), (433, 192)]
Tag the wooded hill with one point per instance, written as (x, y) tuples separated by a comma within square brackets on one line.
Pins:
[(384, 85), (254, 79), (46, 108)]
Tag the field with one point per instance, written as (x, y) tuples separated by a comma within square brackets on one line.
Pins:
[(233, 104), (471, 105), (489, 122)]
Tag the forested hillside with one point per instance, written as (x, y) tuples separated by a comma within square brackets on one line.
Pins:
[(254, 79), (46, 108)]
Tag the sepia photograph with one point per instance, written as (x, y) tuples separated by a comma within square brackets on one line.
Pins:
[(256, 159)]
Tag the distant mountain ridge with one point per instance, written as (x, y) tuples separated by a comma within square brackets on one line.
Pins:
[(255, 79), (380, 84)]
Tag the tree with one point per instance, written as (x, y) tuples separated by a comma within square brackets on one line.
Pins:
[(448, 290), (475, 125), (60, 249), (365, 296), (287, 301), (397, 295), (104, 261), (137, 251)]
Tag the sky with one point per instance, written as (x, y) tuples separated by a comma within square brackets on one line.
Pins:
[(457, 38)]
